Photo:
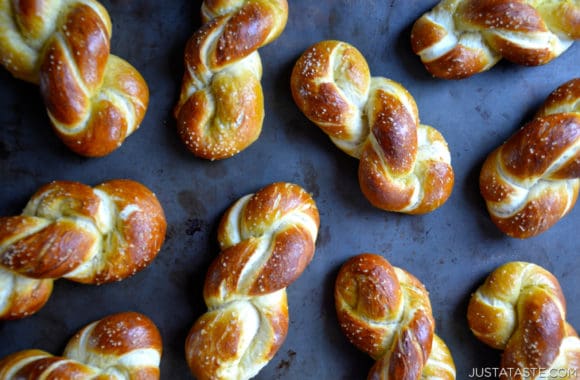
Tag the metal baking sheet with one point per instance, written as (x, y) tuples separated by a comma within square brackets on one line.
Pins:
[(451, 250)]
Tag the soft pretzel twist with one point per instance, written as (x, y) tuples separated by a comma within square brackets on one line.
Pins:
[(385, 312), (532, 180), (404, 166), (267, 240), (520, 309), (70, 230), (221, 106), (460, 38), (124, 346), (94, 99)]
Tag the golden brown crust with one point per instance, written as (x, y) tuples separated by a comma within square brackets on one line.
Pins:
[(440, 364), (26, 296), (520, 309), (94, 350), (385, 312), (221, 106), (141, 233), (328, 104), (118, 334), (404, 166), (563, 99), (267, 240), (532, 180), (460, 38), (459, 63), (94, 99), (89, 235), (367, 288)]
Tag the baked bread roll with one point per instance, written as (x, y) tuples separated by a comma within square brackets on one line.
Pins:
[(532, 180), (70, 230), (221, 106), (404, 166), (385, 312), (521, 310), (120, 346), (460, 38), (94, 99), (267, 240)]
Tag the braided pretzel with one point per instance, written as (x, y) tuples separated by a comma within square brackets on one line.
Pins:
[(385, 312), (94, 99), (404, 166), (120, 346), (460, 38), (532, 180), (267, 240), (221, 106), (520, 309), (88, 235)]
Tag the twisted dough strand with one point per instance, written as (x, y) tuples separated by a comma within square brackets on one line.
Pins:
[(120, 346), (532, 180), (404, 166), (221, 106), (385, 312), (460, 38), (520, 309), (267, 240), (70, 230)]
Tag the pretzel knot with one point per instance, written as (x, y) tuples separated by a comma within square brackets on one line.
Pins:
[(460, 38), (94, 100), (120, 346), (404, 166), (532, 180), (70, 230), (267, 240), (385, 312), (221, 106), (520, 309)]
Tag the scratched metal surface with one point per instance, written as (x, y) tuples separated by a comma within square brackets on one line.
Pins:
[(451, 250)]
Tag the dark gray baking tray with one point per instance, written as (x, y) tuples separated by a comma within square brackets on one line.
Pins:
[(451, 250)]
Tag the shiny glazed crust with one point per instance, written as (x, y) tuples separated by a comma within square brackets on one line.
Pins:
[(221, 106), (94, 99), (404, 166), (385, 312), (267, 240), (70, 230), (531, 181), (520, 309), (121, 346), (460, 38)]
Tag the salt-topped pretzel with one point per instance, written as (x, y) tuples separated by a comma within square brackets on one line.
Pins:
[(404, 166), (520, 309), (386, 312), (267, 240), (460, 38), (73, 231), (221, 106), (124, 346), (94, 99), (531, 181)]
